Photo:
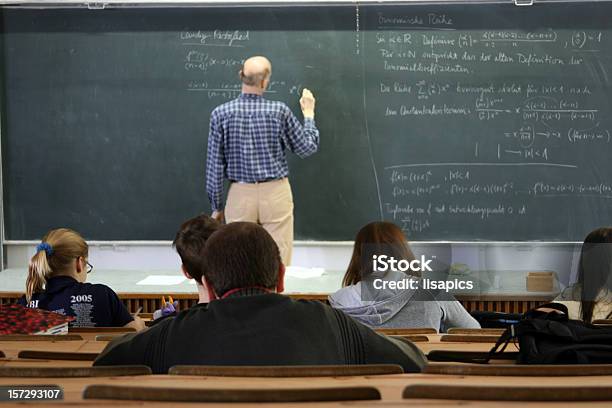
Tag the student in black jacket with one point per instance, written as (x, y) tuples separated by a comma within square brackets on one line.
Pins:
[(248, 323)]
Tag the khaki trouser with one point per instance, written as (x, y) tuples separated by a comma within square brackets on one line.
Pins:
[(269, 204)]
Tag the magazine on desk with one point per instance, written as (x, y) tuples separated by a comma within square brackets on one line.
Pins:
[(17, 319)]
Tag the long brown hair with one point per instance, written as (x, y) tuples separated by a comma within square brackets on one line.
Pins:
[(594, 269), (376, 237), (58, 249)]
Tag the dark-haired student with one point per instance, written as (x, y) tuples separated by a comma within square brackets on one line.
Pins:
[(189, 243), (591, 298), (56, 281), (393, 308), (248, 322)]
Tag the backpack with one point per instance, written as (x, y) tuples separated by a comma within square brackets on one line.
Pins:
[(552, 338)]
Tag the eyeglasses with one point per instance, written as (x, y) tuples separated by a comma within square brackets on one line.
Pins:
[(89, 267)]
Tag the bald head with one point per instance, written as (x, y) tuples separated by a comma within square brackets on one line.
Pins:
[(255, 71)]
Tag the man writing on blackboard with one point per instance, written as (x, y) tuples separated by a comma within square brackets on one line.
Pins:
[(246, 144)]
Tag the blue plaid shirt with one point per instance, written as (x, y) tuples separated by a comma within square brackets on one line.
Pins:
[(247, 141)]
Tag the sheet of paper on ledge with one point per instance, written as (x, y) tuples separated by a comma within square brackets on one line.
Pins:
[(162, 280), (301, 272)]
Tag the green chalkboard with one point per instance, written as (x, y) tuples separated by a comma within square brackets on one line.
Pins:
[(458, 122)]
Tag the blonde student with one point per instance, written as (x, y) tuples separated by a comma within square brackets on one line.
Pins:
[(56, 281)]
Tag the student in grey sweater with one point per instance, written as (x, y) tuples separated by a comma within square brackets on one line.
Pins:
[(393, 308)]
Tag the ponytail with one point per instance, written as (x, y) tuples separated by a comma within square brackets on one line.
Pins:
[(53, 255), (38, 272)]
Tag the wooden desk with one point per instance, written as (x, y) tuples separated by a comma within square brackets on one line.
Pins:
[(92, 336), (20, 362), (390, 386), (11, 349), (434, 343), (518, 303)]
